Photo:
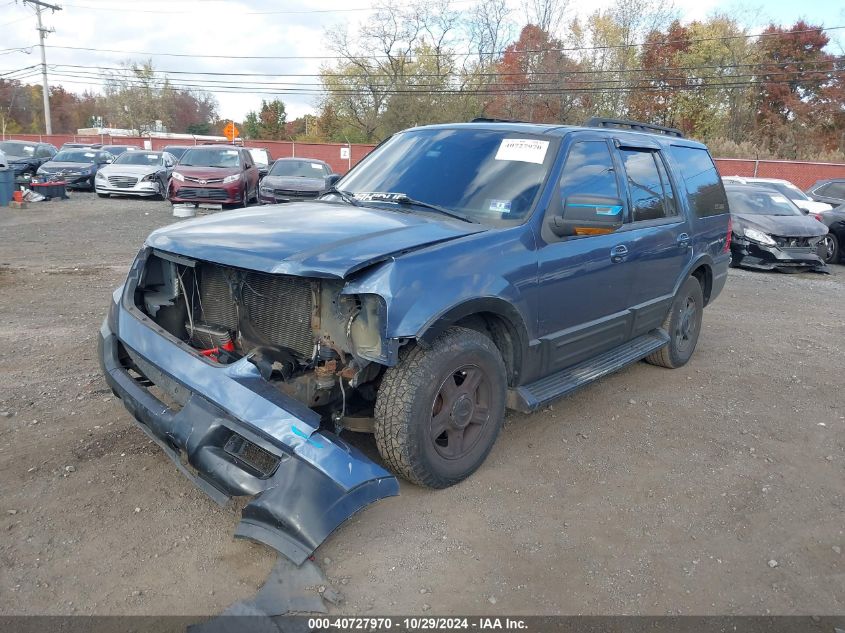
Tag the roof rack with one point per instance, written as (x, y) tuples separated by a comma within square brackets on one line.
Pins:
[(636, 126), (482, 119)]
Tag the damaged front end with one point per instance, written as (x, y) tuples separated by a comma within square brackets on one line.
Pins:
[(245, 379), (778, 253)]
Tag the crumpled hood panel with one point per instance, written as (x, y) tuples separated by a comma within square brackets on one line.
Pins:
[(317, 239), (782, 225)]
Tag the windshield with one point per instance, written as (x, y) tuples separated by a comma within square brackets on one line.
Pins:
[(260, 156), (138, 158), (756, 201), (210, 157), (75, 156), (176, 152), (490, 176), (298, 169), (792, 192), (17, 149)]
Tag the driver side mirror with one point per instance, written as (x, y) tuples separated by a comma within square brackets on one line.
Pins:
[(585, 214), (331, 179)]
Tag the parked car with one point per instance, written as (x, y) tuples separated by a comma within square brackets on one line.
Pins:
[(830, 246), (140, 173), (457, 270), (801, 199), (215, 174), (292, 179), (117, 150), (262, 158), (25, 157), (77, 167), (771, 233), (177, 150), (831, 191)]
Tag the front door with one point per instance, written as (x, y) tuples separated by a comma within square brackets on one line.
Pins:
[(584, 281)]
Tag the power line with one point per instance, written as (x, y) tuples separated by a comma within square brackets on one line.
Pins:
[(123, 9), (452, 53)]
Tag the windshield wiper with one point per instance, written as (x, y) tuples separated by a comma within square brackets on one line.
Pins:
[(344, 195), (406, 200)]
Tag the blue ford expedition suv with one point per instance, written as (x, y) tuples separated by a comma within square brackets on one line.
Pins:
[(457, 271)]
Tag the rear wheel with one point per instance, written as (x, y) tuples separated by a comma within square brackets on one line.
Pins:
[(683, 324), (829, 249), (439, 411)]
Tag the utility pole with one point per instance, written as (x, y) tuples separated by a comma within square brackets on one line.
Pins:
[(42, 33)]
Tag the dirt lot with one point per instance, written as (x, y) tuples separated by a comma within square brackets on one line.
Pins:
[(651, 492)]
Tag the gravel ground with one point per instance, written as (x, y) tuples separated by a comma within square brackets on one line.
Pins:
[(713, 489)]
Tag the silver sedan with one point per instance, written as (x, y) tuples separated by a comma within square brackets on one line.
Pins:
[(136, 173)]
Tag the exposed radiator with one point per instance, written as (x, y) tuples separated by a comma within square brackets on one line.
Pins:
[(279, 307)]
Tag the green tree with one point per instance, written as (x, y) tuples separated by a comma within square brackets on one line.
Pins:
[(271, 120)]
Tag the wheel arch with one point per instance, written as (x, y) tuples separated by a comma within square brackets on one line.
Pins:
[(491, 316)]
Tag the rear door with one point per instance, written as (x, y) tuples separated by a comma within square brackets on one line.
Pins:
[(659, 234)]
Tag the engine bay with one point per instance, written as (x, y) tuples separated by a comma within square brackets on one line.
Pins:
[(303, 335)]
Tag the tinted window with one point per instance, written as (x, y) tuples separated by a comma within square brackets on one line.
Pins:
[(589, 170), (138, 158), (835, 190), (176, 152), (43, 152), (759, 201), (211, 157), (76, 156), (490, 175), (705, 193), (298, 169), (649, 200), (17, 149)]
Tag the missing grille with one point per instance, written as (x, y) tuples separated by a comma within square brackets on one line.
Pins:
[(255, 457)]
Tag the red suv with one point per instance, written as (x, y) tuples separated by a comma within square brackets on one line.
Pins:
[(215, 173)]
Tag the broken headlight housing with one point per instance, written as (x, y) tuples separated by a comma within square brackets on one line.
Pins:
[(758, 236)]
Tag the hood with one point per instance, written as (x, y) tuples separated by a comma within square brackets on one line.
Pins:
[(294, 183), (206, 173), (53, 166), (21, 160), (315, 239), (129, 170), (782, 225)]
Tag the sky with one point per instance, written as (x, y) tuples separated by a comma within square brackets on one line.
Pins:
[(293, 28)]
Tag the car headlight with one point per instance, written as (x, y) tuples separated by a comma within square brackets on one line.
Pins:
[(148, 178), (232, 178), (758, 236), (101, 175), (177, 176)]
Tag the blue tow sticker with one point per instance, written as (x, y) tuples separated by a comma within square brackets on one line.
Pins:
[(500, 206), (305, 436)]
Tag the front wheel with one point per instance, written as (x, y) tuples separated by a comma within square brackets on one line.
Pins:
[(828, 249), (683, 324), (439, 411)]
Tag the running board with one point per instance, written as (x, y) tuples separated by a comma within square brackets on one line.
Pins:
[(531, 397)]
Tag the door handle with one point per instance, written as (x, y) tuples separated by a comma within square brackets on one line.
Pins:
[(618, 253), (684, 240)]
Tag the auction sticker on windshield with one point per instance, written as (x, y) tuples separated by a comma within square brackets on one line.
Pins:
[(523, 150)]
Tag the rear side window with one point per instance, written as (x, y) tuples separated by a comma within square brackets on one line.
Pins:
[(705, 193), (589, 170), (648, 185), (834, 190)]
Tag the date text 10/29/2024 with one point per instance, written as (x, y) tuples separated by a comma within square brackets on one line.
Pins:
[(478, 623)]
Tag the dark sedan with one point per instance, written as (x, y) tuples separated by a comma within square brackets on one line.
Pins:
[(117, 150), (25, 158), (77, 167), (831, 191), (830, 247), (293, 179), (771, 233)]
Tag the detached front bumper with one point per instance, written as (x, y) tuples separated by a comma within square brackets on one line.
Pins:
[(233, 434), (748, 254)]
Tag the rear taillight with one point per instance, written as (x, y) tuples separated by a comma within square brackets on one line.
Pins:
[(727, 246)]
